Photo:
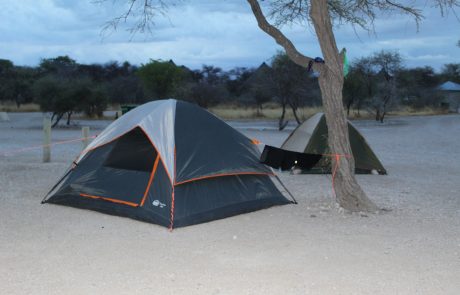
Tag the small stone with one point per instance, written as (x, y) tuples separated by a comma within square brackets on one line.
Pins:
[(312, 215)]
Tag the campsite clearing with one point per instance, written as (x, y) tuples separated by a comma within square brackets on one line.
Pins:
[(310, 248)]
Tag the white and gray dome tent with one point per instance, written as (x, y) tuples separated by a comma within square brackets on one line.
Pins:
[(171, 163)]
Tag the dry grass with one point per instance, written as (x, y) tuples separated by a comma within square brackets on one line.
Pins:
[(426, 111), (10, 106), (363, 114), (271, 112), (404, 111)]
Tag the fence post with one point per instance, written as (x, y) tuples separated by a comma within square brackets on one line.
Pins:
[(85, 135), (46, 140)]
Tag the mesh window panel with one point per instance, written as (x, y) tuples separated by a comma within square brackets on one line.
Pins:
[(132, 151)]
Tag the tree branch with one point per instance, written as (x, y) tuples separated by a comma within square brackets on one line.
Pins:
[(143, 11), (280, 38)]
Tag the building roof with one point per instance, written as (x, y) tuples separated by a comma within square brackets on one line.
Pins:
[(449, 86)]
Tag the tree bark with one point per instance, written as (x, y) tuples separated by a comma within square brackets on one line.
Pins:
[(350, 102), (294, 111), (384, 110), (69, 114), (58, 118), (348, 192), (281, 123)]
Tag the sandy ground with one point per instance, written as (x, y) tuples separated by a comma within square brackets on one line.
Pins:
[(310, 248)]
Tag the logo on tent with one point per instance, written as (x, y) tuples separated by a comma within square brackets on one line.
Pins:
[(157, 203)]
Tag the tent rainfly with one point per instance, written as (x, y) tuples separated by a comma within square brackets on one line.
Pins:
[(170, 163), (311, 138)]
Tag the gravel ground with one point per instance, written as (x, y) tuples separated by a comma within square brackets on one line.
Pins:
[(310, 248)]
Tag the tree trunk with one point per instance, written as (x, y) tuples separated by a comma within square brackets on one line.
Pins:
[(349, 194), (384, 110), (294, 111), (350, 102), (382, 116), (69, 114), (281, 123), (58, 118)]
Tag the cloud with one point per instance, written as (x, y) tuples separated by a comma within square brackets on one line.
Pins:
[(429, 57), (223, 33)]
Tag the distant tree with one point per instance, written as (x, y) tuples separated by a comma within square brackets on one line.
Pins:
[(16, 82), (354, 88), (50, 94), (387, 64), (418, 87), (125, 89), (96, 102), (5, 66), (95, 72), (122, 83), (63, 66), (87, 96), (63, 97), (451, 72), (255, 86), (6, 71), (261, 95), (203, 94), (24, 77), (289, 85), (113, 70), (206, 88), (213, 75), (364, 69), (372, 81), (160, 77), (237, 79)]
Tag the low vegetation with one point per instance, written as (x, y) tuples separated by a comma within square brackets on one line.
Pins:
[(375, 86)]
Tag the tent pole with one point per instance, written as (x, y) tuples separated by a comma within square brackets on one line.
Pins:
[(59, 182), (294, 201)]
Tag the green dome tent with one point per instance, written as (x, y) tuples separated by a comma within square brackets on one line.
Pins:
[(311, 138)]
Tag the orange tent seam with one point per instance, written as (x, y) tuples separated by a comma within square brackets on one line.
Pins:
[(110, 200), (152, 175), (222, 175)]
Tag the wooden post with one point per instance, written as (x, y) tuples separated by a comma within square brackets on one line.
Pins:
[(46, 140), (85, 134)]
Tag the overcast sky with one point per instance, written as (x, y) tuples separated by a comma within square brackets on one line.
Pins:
[(218, 32)]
